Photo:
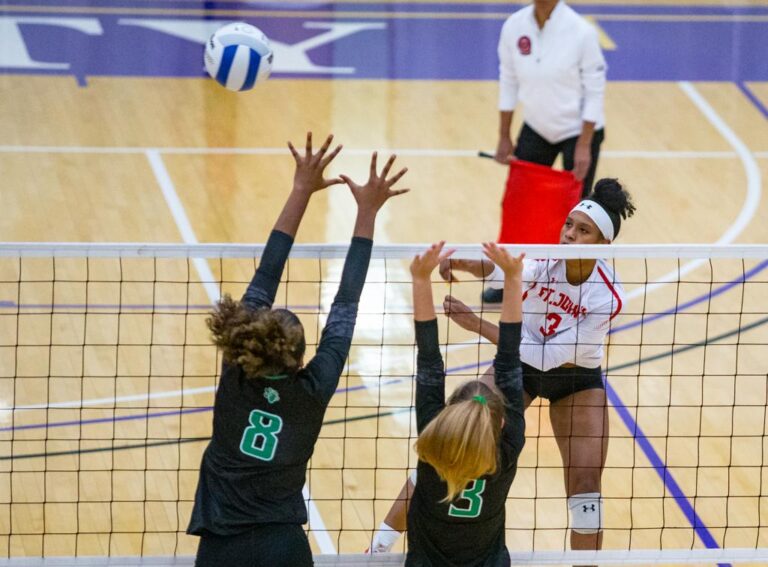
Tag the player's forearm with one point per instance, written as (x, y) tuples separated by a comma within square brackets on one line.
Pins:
[(489, 332), (587, 133), (505, 123), (423, 304), (293, 211), (263, 287), (511, 306), (355, 269), (365, 222)]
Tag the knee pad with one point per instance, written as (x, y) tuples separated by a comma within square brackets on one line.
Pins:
[(586, 513)]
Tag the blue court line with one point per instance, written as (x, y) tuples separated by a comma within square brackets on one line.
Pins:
[(661, 469), (753, 98)]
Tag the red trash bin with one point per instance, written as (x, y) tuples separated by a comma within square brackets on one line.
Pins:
[(536, 202)]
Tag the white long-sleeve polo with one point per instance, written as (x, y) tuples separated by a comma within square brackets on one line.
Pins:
[(557, 73)]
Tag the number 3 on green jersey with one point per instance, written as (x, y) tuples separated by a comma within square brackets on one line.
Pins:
[(260, 438), (473, 494)]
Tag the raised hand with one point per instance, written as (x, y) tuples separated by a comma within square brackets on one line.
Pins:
[(378, 189), (309, 175), (458, 312), (510, 265), (423, 265)]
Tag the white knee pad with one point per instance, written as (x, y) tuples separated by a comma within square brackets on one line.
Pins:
[(586, 513)]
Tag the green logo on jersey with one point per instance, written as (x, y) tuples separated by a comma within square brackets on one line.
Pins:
[(271, 395)]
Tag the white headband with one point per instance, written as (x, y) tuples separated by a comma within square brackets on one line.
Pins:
[(598, 214)]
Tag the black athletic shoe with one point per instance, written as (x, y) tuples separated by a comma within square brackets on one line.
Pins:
[(491, 295)]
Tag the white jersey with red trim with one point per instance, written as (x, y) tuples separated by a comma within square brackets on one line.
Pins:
[(563, 323)]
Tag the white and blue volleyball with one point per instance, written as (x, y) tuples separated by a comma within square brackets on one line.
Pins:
[(238, 56)]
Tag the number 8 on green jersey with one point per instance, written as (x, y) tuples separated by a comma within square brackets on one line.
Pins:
[(260, 439)]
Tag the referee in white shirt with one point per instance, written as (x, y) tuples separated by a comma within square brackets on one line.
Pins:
[(551, 62)]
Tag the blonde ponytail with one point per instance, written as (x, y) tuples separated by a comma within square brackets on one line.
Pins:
[(461, 443)]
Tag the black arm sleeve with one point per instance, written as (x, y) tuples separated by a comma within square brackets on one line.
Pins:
[(430, 374), (263, 287), (327, 365), (509, 379)]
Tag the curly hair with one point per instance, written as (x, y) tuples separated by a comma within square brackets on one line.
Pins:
[(263, 342), (615, 199)]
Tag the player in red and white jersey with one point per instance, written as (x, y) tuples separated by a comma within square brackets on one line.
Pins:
[(571, 320), (567, 312)]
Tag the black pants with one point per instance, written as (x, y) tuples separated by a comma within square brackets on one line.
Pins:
[(532, 147), (560, 383), (270, 545)]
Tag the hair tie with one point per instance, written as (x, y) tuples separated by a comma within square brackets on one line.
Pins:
[(276, 376), (480, 399)]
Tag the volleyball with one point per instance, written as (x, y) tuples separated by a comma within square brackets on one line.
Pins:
[(238, 56)]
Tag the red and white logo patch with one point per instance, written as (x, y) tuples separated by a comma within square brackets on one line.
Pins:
[(524, 45)]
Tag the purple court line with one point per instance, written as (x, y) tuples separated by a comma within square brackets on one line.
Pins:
[(661, 468), (753, 98), (79, 422), (182, 411)]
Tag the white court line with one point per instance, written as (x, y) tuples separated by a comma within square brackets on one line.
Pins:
[(413, 152), (748, 209), (110, 403), (182, 222), (317, 526)]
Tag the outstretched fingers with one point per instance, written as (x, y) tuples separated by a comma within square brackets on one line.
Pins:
[(502, 258), (493, 253), (437, 253), (374, 159), (294, 153), (388, 166), (396, 192), (330, 157), (435, 248), (492, 250), (324, 148), (447, 254), (396, 177)]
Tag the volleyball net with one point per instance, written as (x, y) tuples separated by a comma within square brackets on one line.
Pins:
[(107, 379)]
